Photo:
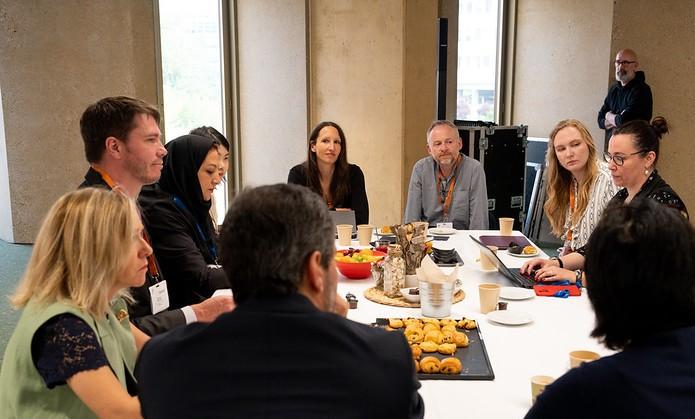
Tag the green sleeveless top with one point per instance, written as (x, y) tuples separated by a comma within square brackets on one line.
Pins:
[(24, 394)]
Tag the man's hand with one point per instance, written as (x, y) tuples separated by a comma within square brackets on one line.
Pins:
[(610, 120), (208, 310), (341, 306)]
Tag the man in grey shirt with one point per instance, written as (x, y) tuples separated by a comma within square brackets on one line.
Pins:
[(447, 186)]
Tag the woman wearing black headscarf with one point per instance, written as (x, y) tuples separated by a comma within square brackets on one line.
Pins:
[(176, 213)]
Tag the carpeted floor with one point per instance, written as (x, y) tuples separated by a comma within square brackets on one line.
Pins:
[(13, 260)]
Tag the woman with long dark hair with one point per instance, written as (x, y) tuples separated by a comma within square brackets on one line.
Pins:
[(327, 172)]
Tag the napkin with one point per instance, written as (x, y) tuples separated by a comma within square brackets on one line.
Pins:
[(430, 272)]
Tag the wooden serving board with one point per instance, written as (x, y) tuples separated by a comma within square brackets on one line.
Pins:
[(377, 295)]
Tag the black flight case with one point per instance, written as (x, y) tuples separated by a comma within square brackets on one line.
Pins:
[(501, 150)]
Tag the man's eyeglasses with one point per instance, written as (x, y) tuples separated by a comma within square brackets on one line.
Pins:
[(618, 159), (617, 63)]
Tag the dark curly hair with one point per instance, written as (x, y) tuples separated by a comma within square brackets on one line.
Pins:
[(640, 267)]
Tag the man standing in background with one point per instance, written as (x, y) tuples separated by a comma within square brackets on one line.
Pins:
[(629, 98)]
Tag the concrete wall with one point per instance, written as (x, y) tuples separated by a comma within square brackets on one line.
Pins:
[(666, 56), (273, 89), (420, 75), (562, 49), (55, 59), (359, 55)]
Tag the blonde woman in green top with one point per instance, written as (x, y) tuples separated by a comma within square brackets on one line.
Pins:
[(73, 351)]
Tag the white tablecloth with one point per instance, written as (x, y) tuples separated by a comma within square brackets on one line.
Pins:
[(516, 353)]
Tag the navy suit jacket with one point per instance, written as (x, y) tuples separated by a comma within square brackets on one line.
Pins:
[(278, 358)]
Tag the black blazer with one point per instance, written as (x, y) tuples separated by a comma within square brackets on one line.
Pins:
[(356, 198), (140, 310), (278, 358), (182, 254)]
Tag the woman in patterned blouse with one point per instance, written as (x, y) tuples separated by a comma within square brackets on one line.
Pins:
[(579, 186)]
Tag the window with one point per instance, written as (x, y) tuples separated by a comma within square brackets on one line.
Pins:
[(192, 71), (478, 52)]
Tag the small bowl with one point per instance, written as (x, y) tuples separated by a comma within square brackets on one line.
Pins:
[(411, 298), (359, 270)]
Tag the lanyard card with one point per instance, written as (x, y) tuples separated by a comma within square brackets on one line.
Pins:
[(159, 297)]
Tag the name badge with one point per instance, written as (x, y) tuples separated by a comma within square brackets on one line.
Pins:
[(159, 297), (445, 225)]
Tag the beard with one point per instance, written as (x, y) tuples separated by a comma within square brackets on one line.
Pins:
[(624, 77)]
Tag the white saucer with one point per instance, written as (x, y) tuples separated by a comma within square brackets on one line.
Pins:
[(509, 317), (442, 231), (521, 255), (516, 293)]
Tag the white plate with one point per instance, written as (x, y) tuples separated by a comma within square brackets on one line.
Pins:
[(444, 231), (509, 317), (521, 255), (516, 293)]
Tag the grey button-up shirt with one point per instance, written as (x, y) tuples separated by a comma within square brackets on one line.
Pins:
[(468, 209)]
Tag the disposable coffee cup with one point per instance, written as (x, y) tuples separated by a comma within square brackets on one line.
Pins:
[(436, 298), (485, 263), (538, 384), (364, 234), (577, 358), (506, 226), (489, 294), (344, 234)]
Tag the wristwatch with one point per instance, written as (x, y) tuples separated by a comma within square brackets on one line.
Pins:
[(559, 261), (578, 277)]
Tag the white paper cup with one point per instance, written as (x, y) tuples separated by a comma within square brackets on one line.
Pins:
[(489, 294), (485, 263), (506, 226), (436, 299), (577, 358), (538, 384), (364, 234), (344, 234)]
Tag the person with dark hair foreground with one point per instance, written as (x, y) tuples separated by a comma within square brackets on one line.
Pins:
[(641, 261), (327, 172), (281, 353)]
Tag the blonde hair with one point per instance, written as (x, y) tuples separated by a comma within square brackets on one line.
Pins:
[(560, 180), (80, 251)]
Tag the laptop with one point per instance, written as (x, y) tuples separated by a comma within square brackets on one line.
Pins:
[(512, 274), (344, 217)]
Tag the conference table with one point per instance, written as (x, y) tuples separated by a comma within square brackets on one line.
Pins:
[(559, 326)]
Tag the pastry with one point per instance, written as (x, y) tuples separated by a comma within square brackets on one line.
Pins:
[(417, 352), (447, 348), (434, 336), (460, 339), (429, 364), (395, 323), (450, 366), (449, 327), (412, 322), (448, 336), (414, 335), (429, 346), (468, 324), (429, 327), (445, 322), (426, 320)]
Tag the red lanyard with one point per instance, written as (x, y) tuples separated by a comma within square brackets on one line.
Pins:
[(151, 263), (446, 202)]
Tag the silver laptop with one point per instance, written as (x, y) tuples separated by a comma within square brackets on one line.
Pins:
[(344, 217), (512, 274)]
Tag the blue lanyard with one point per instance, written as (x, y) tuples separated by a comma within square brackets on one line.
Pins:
[(209, 242)]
